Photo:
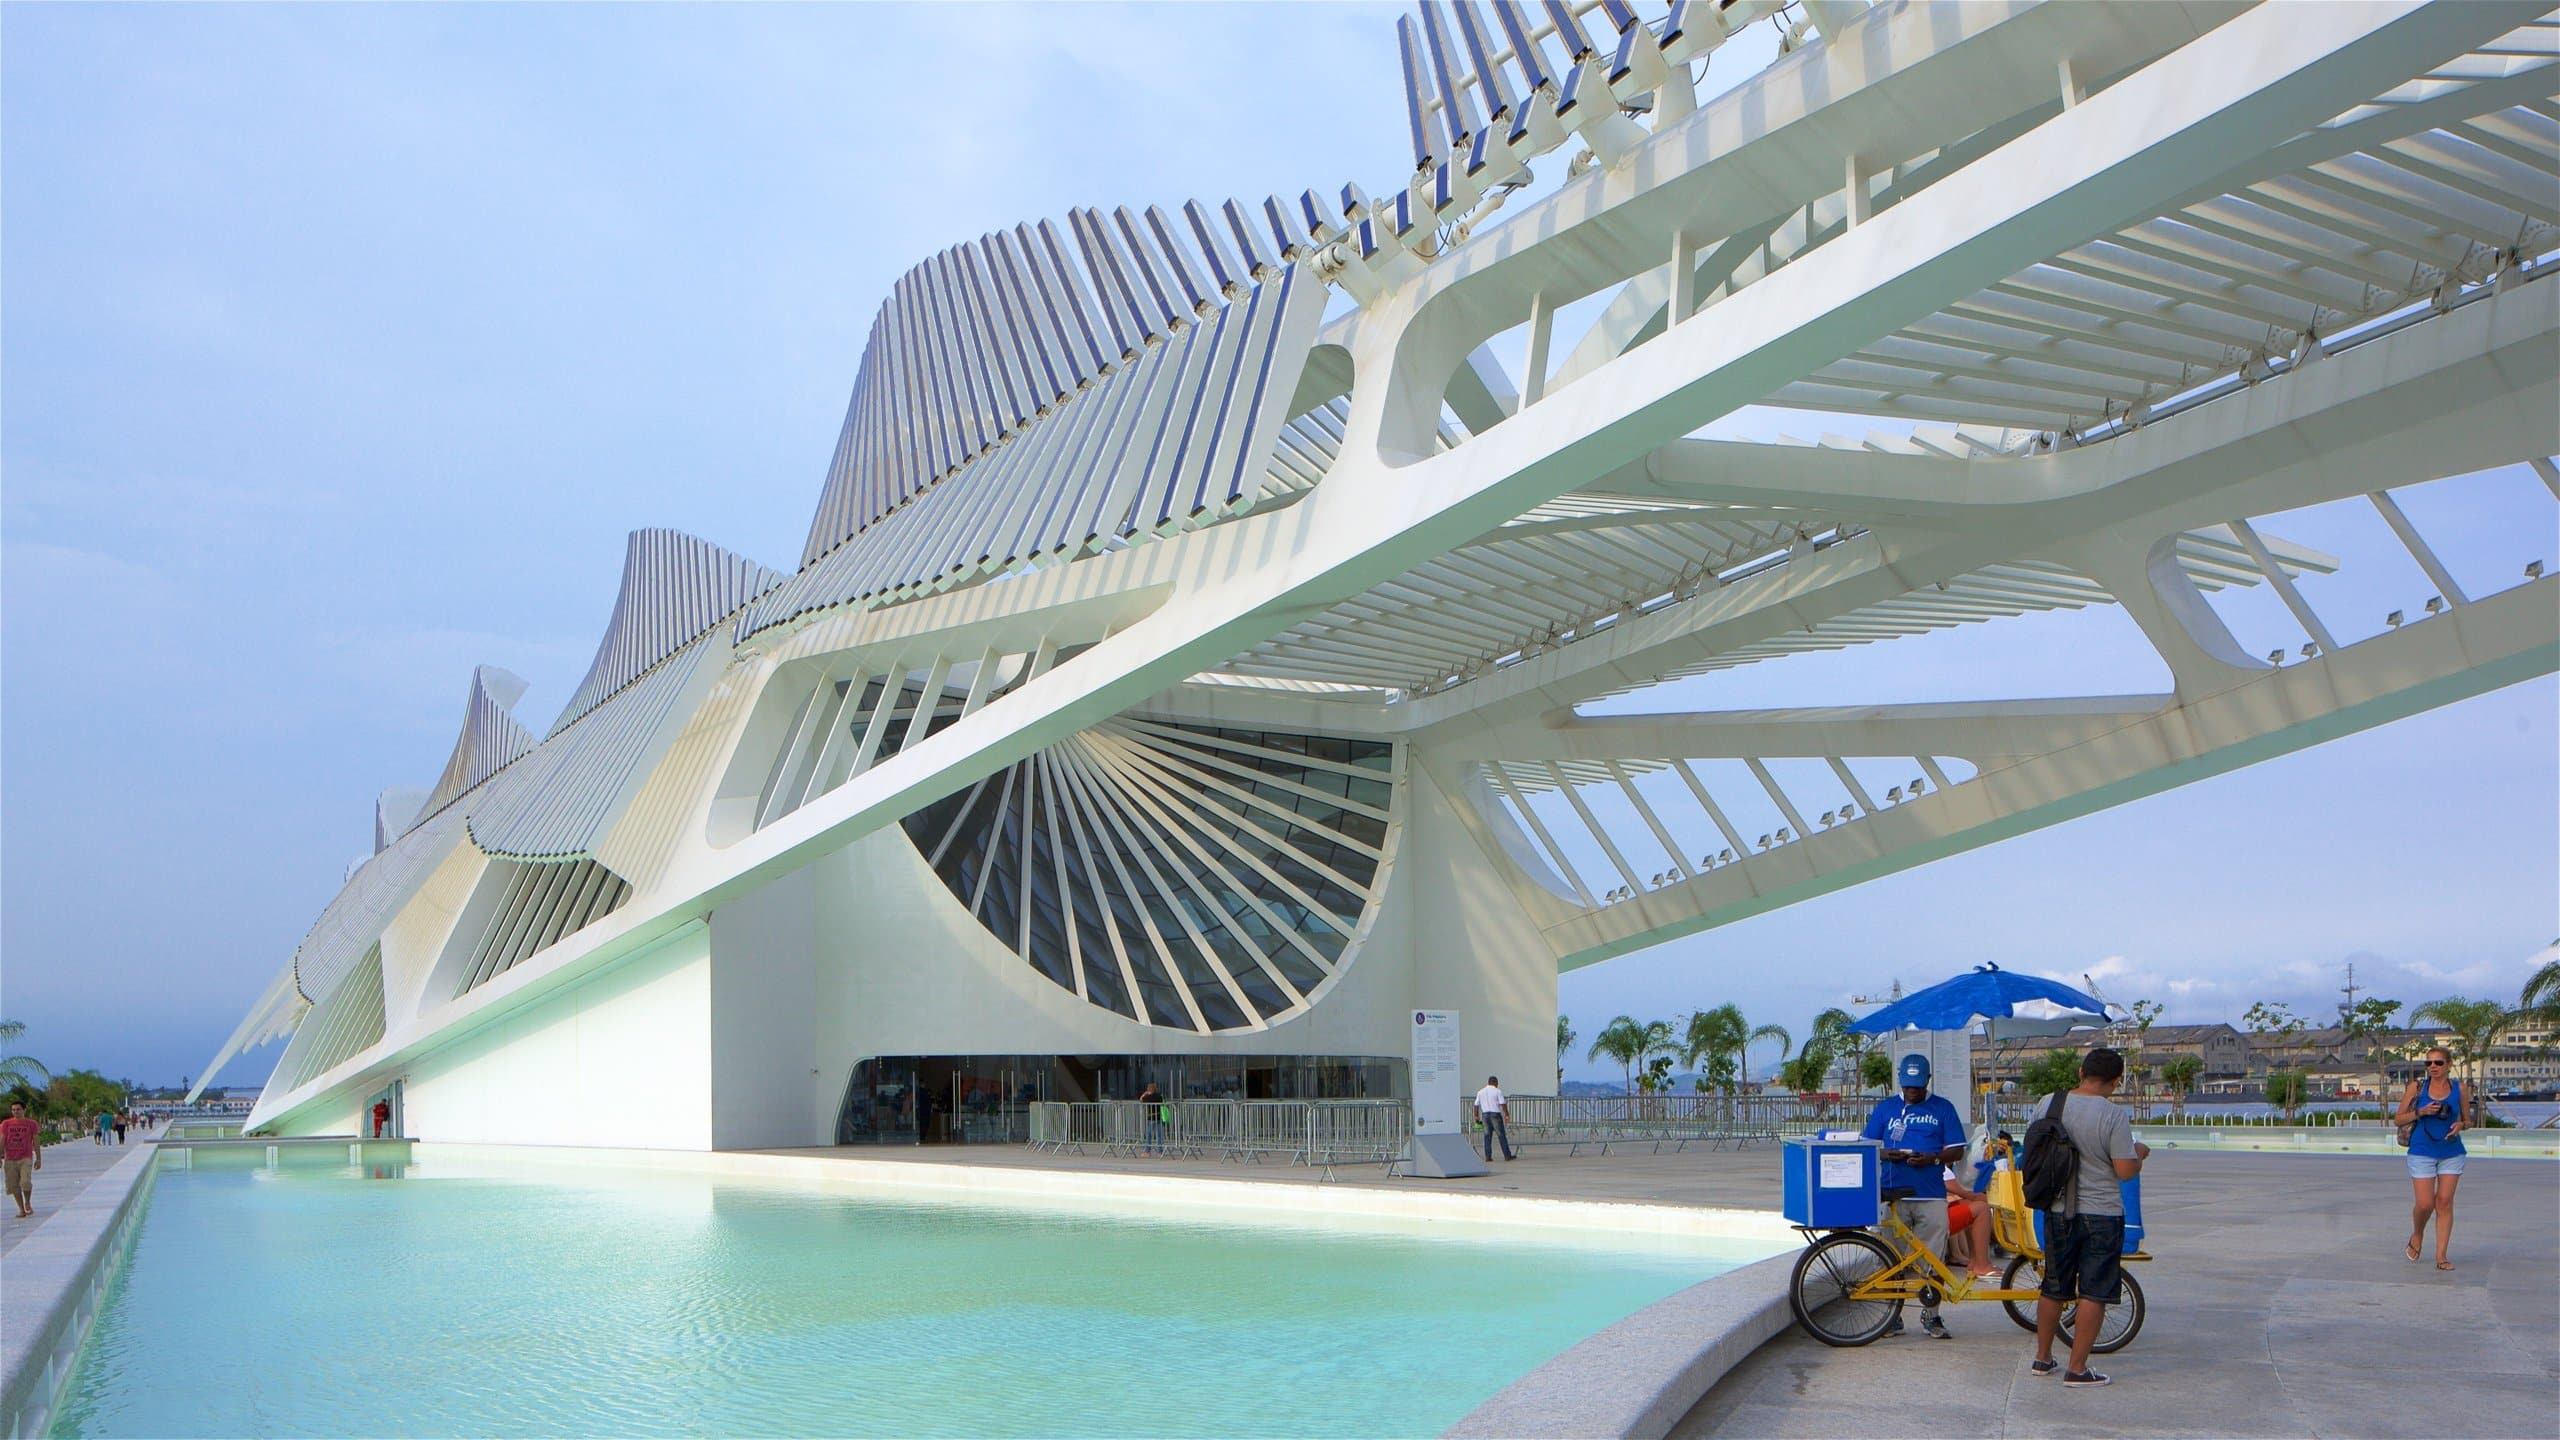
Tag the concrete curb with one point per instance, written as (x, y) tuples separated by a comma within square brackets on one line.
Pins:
[(1636, 1379), (55, 1280)]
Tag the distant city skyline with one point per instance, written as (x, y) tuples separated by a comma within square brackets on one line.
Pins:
[(345, 344)]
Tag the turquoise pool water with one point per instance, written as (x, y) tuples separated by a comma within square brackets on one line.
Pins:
[(325, 1301)]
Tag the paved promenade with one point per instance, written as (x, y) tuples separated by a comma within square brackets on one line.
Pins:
[(2280, 1306), (68, 1169)]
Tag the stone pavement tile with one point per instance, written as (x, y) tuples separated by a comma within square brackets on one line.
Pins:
[(2312, 1319), (1925, 1371), (2351, 1399), (1834, 1422), (2233, 1396)]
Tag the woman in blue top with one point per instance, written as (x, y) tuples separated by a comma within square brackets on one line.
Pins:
[(2433, 1111)]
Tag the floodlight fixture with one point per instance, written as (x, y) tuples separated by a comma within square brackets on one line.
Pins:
[(1893, 796), (2275, 657), (2395, 619), (2435, 604), (2310, 648), (1764, 842), (1783, 836), (1724, 857), (1828, 817), (2533, 569)]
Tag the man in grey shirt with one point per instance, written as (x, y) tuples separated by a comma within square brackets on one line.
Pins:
[(2084, 1238)]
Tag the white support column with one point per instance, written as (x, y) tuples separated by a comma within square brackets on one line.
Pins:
[(1937, 777), (2283, 584), (982, 680), (1652, 821), (1861, 208), (2074, 89), (893, 682), (1786, 806), (1533, 370), (928, 700), (1857, 791), (1684, 278), (1591, 823), (1715, 812), (1538, 827), (2418, 549)]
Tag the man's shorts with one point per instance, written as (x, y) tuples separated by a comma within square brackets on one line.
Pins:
[(2428, 1167), (22, 1175), (2083, 1257)]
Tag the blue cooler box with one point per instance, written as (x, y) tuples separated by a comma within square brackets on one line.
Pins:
[(1831, 1184)]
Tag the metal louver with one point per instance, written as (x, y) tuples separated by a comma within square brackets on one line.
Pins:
[(1183, 876)]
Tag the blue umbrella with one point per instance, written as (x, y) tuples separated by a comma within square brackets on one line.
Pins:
[(1988, 993)]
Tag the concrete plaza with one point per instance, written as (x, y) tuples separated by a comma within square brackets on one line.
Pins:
[(2280, 1304)]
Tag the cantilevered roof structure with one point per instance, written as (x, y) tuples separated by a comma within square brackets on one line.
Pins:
[(1227, 624)]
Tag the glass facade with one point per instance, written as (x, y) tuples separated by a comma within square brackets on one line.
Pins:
[(1187, 876), (985, 1099)]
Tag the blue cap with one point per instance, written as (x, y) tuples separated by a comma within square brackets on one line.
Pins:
[(1914, 1070)]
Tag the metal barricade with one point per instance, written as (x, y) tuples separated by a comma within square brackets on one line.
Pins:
[(1049, 1129), (1202, 1127), (1357, 1132), (1270, 1128)]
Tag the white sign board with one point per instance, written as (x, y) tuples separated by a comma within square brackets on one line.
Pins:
[(1843, 1172), (1438, 1090)]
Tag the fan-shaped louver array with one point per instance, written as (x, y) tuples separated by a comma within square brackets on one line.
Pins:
[(674, 587), (1161, 385), (1194, 878), (347, 1023), (490, 740)]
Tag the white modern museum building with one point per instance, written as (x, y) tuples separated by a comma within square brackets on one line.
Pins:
[(1226, 628)]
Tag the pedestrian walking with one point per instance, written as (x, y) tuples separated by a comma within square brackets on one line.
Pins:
[(121, 1120), (1490, 1106), (2435, 1112), (22, 1154), (2084, 1225), (1152, 1109)]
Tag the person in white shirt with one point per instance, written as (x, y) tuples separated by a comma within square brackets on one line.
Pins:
[(1489, 1115)]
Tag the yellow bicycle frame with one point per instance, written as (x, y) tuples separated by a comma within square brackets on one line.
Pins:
[(1917, 1268)]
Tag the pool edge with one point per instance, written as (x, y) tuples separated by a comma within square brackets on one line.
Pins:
[(1638, 1378), (1300, 1197), (56, 1279)]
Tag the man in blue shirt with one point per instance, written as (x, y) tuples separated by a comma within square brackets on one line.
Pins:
[(1922, 1135)]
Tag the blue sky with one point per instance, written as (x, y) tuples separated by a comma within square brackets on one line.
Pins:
[(342, 345)]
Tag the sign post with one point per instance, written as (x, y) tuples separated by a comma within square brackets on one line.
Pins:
[(1441, 1147)]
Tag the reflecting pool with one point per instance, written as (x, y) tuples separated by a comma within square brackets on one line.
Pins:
[(478, 1300)]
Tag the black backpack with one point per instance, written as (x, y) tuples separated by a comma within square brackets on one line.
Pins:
[(2050, 1170)]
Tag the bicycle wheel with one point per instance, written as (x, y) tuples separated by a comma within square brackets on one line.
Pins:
[(2024, 1273), (1819, 1292), (2123, 1319), (2123, 1322)]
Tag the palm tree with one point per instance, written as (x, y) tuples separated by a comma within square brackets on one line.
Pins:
[(16, 1070), (1628, 1041), (1564, 1041), (1721, 1039), (2540, 1001), (2180, 1073), (1832, 1039), (2475, 1025)]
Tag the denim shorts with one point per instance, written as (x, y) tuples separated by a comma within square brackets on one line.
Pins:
[(2428, 1167), (2083, 1257)]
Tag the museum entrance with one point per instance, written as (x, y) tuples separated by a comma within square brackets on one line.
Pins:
[(987, 1099)]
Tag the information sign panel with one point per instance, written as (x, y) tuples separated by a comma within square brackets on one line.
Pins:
[(1438, 1090)]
